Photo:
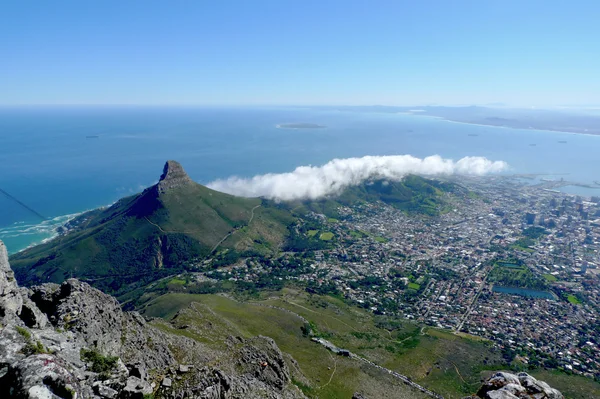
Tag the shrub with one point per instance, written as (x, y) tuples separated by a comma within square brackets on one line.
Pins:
[(100, 364)]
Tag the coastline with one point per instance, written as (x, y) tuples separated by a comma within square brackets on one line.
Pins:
[(53, 227), (498, 126), (47, 229)]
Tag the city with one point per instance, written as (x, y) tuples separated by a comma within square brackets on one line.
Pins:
[(512, 263)]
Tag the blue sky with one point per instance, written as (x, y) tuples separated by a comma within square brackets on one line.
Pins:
[(288, 52)]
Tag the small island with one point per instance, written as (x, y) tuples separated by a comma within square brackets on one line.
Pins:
[(300, 126)]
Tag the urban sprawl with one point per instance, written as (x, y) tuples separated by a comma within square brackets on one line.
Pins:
[(510, 262)]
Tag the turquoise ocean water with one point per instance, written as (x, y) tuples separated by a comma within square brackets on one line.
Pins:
[(50, 163)]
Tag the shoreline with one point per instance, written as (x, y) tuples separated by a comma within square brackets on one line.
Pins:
[(498, 126), (53, 223)]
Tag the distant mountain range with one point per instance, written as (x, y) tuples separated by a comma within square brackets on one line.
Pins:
[(175, 222)]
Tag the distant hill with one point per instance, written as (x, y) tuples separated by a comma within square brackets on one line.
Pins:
[(413, 194), (177, 222), (145, 236)]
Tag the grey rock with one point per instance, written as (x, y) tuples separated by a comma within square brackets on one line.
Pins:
[(184, 368), (138, 370), (508, 386), (105, 391), (501, 394), (38, 375), (93, 315), (263, 359), (514, 389), (31, 315), (11, 300), (534, 386), (173, 176), (135, 389), (66, 318)]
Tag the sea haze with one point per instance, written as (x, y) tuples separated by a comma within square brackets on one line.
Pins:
[(60, 161)]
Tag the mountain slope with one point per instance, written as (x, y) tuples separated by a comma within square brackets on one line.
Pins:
[(413, 194), (143, 237)]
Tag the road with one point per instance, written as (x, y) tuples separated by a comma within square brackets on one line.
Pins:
[(470, 308), (234, 230)]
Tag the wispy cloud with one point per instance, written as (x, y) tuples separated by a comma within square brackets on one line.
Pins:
[(311, 182)]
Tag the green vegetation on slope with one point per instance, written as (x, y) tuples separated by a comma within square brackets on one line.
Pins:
[(154, 234), (176, 224), (318, 372), (413, 194), (449, 364)]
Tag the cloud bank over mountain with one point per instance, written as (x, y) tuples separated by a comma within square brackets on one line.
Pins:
[(312, 182)]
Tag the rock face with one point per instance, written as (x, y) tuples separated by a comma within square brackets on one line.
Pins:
[(72, 341), (510, 386), (173, 176), (10, 297)]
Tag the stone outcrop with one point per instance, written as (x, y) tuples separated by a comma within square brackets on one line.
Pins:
[(11, 300), (173, 176), (72, 341), (520, 386)]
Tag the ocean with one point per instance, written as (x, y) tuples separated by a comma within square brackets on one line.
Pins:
[(59, 161)]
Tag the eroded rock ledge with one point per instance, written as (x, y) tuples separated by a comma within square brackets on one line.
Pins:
[(72, 341)]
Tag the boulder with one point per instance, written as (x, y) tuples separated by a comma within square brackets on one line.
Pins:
[(135, 389), (105, 391), (509, 386)]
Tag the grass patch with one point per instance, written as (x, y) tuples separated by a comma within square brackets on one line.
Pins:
[(573, 300), (357, 234), (571, 386), (312, 233), (332, 220), (34, 349), (551, 278), (177, 281), (326, 236), (414, 286), (382, 240), (23, 332)]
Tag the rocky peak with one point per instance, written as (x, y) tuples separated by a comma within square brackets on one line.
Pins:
[(173, 176)]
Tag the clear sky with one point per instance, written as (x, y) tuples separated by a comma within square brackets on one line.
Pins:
[(281, 52)]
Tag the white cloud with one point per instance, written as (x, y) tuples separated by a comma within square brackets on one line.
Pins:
[(311, 182)]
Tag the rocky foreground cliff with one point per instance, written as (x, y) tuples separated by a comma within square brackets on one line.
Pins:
[(72, 341)]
